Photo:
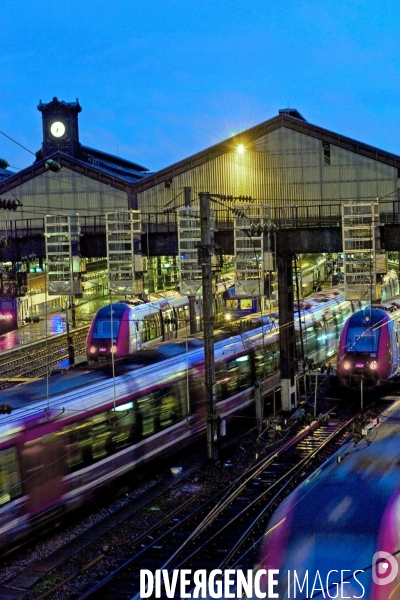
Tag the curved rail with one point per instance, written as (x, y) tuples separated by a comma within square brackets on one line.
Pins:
[(233, 512)]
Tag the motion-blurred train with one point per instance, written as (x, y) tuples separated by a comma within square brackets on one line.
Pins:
[(338, 534), (136, 324), (63, 442), (369, 350)]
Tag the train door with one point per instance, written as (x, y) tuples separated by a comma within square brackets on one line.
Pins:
[(135, 340), (43, 467), (197, 391), (152, 328), (182, 317), (332, 334), (169, 324)]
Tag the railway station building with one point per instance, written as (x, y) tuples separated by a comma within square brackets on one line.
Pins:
[(284, 164)]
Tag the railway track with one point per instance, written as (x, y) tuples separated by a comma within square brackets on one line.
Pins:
[(36, 359), (210, 538), (105, 560), (199, 532)]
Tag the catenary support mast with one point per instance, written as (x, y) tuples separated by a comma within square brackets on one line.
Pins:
[(206, 252)]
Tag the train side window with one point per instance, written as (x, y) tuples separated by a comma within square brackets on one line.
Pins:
[(160, 409), (126, 427), (146, 407), (151, 327), (169, 409), (246, 303), (10, 478), (264, 363), (182, 316), (180, 390), (232, 377), (232, 304), (311, 339), (221, 381), (239, 374), (320, 334), (87, 441), (330, 325), (101, 437)]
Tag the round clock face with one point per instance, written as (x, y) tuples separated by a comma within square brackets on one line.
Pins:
[(57, 129)]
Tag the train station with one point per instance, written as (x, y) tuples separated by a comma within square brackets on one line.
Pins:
[(275, 191), (236, 290)]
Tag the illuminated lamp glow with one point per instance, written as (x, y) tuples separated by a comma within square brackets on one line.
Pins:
[(228, 317), (242, 359), (240, 149), (122, 407), (92, 349), (373, 364), (114, 349), (8, 317), (346, 365)]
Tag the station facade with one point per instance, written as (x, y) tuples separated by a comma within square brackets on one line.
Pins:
[(284, 163)]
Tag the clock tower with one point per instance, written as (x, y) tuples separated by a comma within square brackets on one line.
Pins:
[(60, 127)]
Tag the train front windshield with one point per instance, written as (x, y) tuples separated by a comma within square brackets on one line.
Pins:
[(102, 329), (363, 333), (362, 339), (104, 325)]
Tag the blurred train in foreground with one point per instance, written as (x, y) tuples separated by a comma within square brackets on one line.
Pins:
[(329, 531), (61, 444), (368, 350)]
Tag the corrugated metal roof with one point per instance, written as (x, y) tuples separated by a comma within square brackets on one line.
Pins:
[(4, 173), (96, 165), (111, 159), (288, 118)]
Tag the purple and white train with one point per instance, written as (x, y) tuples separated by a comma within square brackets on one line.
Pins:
[(369, 350), (63, 442)]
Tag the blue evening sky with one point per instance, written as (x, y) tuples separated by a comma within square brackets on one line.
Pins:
[(159, 80)]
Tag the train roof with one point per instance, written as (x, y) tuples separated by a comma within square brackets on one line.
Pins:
[(369, 316)]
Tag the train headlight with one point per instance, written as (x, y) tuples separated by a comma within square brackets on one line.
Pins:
[(92, 349), (373, 364), (346, 364)]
